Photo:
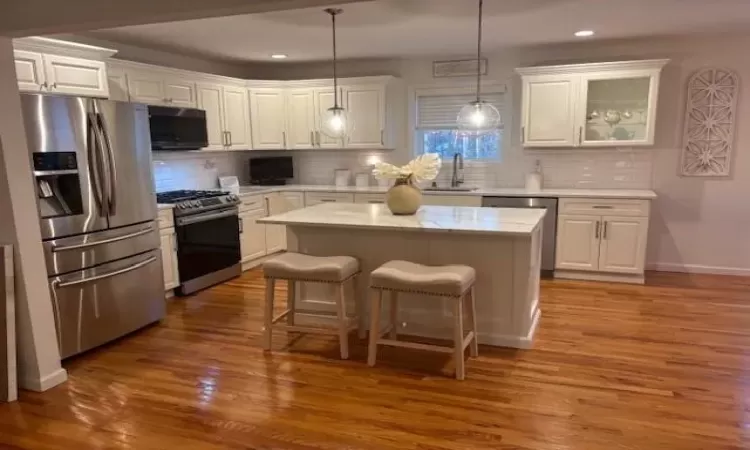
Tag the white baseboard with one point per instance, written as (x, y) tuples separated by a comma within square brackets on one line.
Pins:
[(599, 276), (47, 382), (696, 268)]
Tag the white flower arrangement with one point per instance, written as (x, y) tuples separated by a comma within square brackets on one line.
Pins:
[(423, 168)]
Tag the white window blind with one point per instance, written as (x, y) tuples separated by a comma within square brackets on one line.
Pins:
[(439, 112)]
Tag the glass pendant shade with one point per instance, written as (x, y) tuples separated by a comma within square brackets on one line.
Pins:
[(336, 123), (478, 118)]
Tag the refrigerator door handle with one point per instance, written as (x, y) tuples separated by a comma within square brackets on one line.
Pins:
[(114, 273), (66, 248), (95, 164), (112, 175)]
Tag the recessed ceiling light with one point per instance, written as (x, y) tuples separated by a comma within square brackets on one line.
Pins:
[(584, 33), (279, 56)]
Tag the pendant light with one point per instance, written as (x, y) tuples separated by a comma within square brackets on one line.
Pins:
[(479, 117), (335, 123)]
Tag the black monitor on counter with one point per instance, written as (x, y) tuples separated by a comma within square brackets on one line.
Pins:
[(271, 171)]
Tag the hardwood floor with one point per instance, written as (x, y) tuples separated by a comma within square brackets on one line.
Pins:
[(662, 366)]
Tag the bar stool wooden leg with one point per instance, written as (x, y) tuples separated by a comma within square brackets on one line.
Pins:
[(360, 303), (343, 321), (268, 315), (291, 299), (474, 346), (458, 337), (377, 299), (394, 315)]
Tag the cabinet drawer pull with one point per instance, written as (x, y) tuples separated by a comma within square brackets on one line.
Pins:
[(327, 200), (603, 207), (598, 226)]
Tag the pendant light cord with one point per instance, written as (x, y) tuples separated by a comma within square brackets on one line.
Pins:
[(335, 75), (479, 53)]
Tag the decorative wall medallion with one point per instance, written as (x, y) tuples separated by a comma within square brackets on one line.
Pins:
[(710, 117)]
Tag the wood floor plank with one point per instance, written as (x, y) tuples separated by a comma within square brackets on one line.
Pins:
[(661, 366)]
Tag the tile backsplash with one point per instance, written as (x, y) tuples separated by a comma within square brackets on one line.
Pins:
[(197, 170), (590, 168)]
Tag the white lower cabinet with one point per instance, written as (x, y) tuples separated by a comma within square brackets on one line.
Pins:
[(275, 234), (578, 242), (252, 235), (316, 198), (623, 247), (169, 258), (372, 199), (613, 243), (452, 200)]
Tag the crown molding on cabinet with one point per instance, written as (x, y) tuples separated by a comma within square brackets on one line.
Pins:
[(62, 48), (123, 65), (589, 68)]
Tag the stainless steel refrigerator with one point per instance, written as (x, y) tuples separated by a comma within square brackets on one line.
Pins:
[(97, 208)]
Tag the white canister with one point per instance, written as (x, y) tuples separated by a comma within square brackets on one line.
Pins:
[(535, 180), (341, 177)]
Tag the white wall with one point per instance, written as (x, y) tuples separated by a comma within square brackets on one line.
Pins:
[(697, 224), (39, 358)]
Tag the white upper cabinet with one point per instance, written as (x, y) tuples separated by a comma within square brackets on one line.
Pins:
[(366, 108), (268, 118), (156, 89), (146, 88), (590, 105), (236, 118), (60, 67), (76, 76), (300, 118), (210, 100), (118, 85), (30, 71), (227, 116), (180, 93), (545, 126)]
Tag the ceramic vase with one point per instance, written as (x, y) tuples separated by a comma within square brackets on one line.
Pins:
[(404, 198)]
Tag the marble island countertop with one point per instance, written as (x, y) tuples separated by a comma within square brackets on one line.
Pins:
[(455, 219), (498, 192)]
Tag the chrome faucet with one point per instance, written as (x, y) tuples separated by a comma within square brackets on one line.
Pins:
[(458, 170)]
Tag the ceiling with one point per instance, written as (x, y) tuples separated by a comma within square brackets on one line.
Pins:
[(408, 28)]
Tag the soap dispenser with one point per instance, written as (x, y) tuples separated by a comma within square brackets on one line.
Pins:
[(534, 180)]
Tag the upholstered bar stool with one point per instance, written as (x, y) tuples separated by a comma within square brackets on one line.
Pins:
[(295, 268), (453, 282)]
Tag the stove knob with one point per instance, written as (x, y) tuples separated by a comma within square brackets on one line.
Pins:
[(181, 206), (196, 203)]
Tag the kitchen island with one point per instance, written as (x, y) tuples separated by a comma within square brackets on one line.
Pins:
[(502, 244)]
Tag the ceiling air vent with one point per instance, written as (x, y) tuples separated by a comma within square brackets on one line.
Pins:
[(458, 68)]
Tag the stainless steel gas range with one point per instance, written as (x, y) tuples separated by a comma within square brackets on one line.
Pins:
[(208, 237)]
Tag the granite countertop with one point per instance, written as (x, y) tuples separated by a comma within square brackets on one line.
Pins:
[(453, 219), (499, 192)]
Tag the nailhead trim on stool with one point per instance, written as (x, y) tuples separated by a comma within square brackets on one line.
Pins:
[(460, 342)]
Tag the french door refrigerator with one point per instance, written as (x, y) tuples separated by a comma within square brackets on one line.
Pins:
[(97, 207)]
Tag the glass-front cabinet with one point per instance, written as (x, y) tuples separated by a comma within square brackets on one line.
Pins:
[(613, 104)]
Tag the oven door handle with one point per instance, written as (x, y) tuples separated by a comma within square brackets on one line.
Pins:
[(102, 242), (182, 221), (114, 273)]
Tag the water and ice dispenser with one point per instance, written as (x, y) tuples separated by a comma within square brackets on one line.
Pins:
[(58, 184)]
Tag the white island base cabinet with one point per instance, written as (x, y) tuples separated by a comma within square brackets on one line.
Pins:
[(602, 240), (507, 265)]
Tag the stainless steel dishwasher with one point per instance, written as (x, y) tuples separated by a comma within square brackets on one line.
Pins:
[(549, 230)]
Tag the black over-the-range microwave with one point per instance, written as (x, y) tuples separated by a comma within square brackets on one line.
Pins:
[(177, 128)]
